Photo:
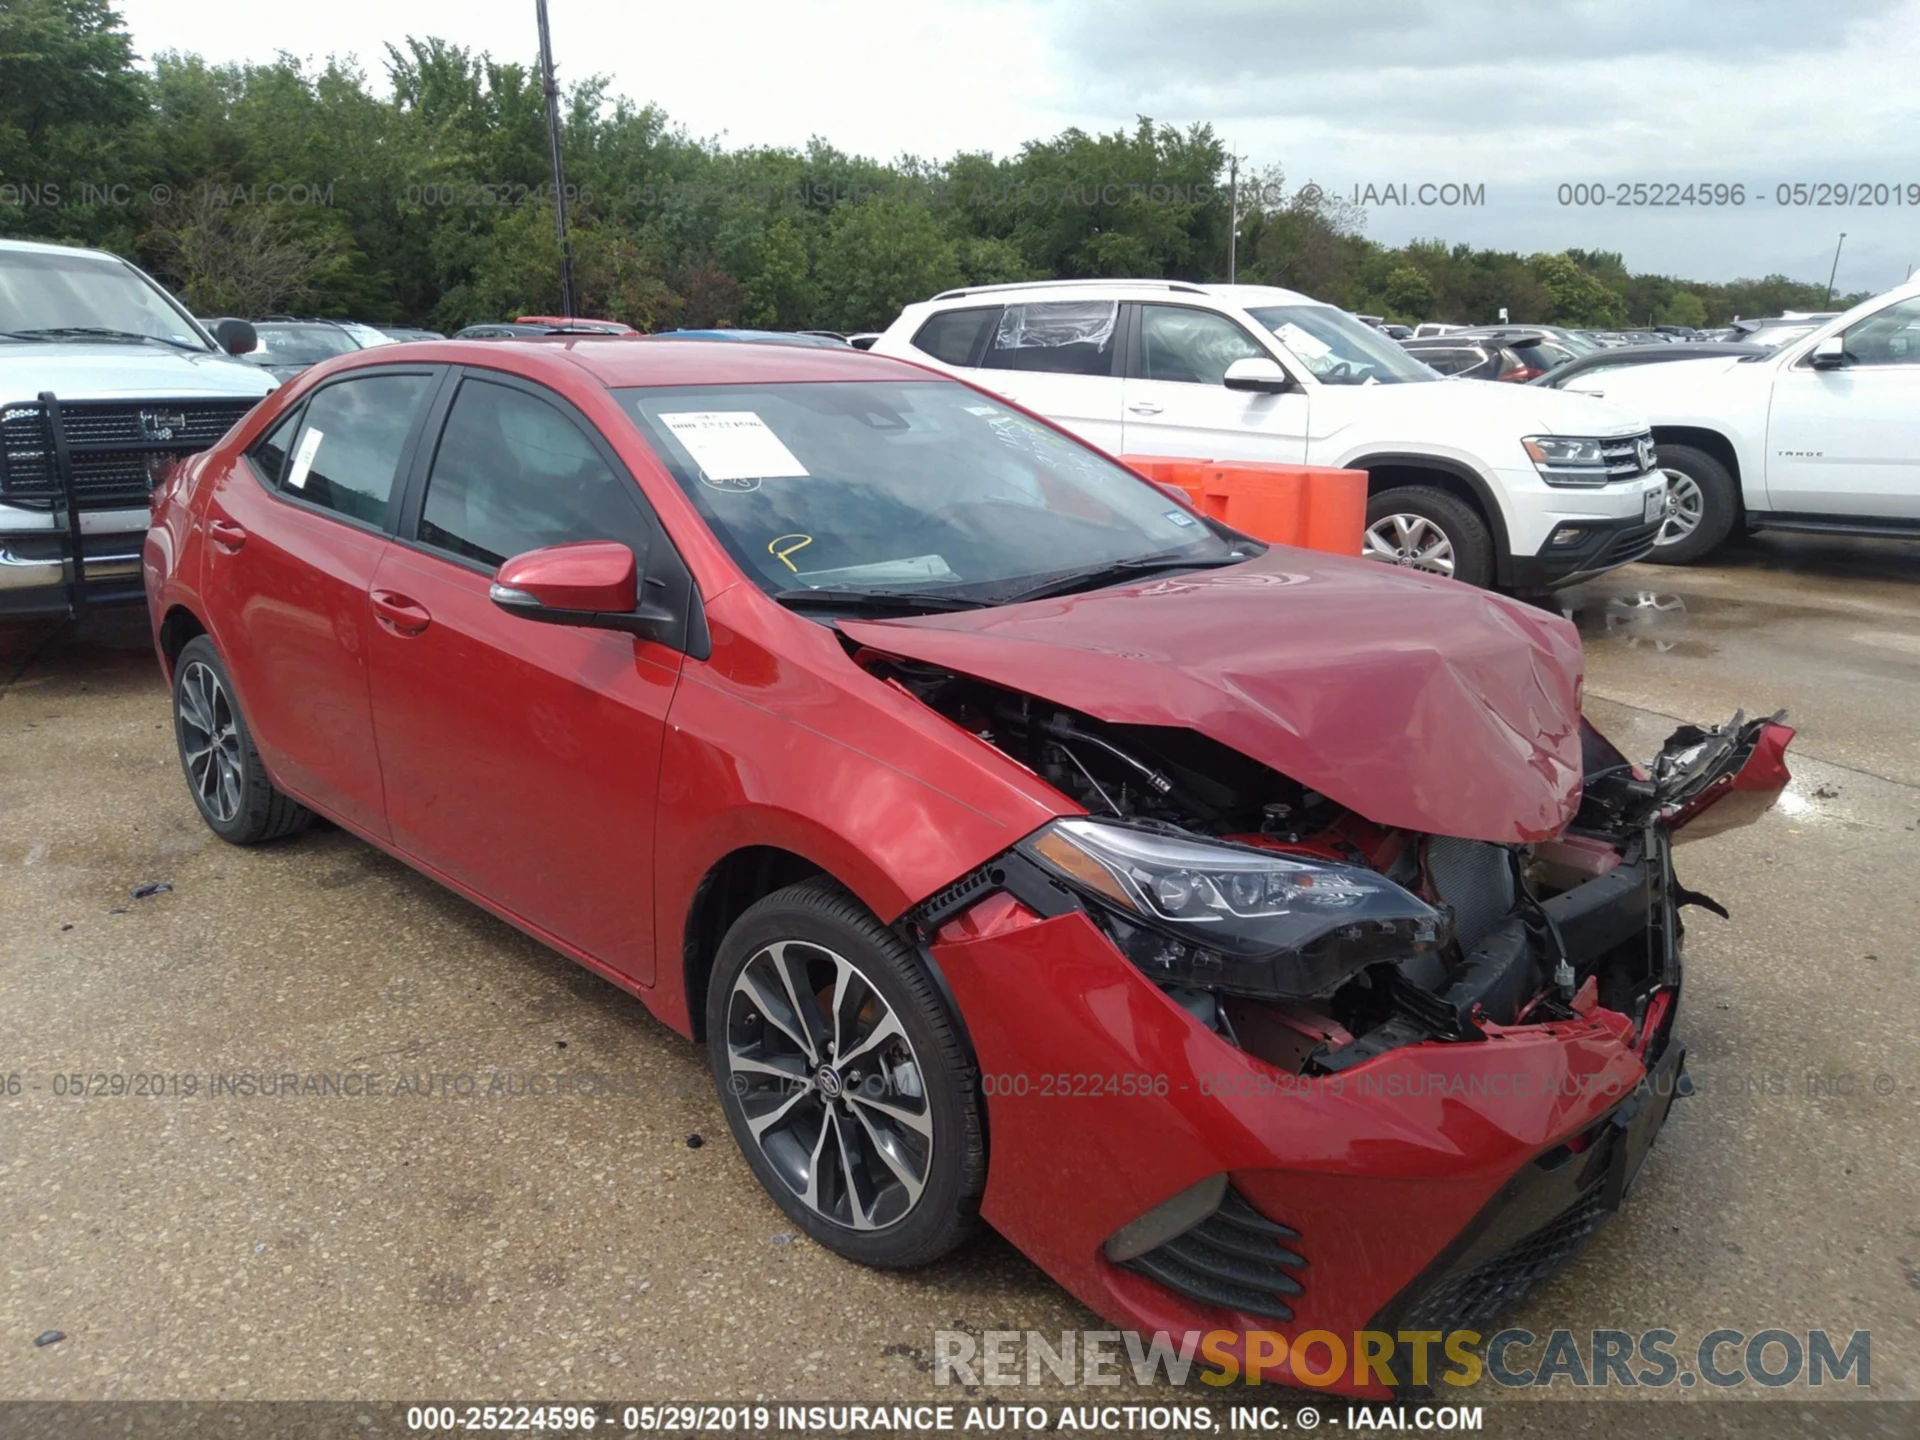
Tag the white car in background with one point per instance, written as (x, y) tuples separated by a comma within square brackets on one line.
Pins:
[(1495, 485), (1822, 434)]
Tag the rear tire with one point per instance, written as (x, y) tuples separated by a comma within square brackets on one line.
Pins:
[(1703, 505), (225, 774), (846, 1081), (1421, 527)]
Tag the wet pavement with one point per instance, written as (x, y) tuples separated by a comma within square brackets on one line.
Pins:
[(440, 1238)]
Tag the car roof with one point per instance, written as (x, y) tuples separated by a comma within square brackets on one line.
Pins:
[(1241, 295), (768, 337), (622, 361)]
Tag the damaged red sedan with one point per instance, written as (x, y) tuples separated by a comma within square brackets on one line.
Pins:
[(1259, 939)]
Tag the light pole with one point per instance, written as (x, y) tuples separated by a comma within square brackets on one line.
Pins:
[(559, 174), (1836, 267), (1233, 217)]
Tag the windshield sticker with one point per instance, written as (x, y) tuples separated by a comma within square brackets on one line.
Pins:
[(733, 446), (1306, 346), (1180, 517), (303, 458)]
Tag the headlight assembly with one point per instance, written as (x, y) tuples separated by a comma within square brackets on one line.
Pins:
[(1233, 917), (1567, 459)]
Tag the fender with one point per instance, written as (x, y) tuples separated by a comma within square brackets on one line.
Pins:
[(900, 803)]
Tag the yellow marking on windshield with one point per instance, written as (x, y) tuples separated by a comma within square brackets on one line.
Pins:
[(780, 548)]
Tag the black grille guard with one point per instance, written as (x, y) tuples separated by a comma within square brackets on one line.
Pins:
[(66, 508)]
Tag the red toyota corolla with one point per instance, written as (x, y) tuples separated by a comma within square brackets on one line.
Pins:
[(1259, 939)]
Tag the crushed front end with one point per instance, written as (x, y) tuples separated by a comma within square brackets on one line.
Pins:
[(1254, 1063)]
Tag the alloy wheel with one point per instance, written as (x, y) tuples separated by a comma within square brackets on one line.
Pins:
[(1685, 508), (1412, 541), (210, 741), (829, 1085)]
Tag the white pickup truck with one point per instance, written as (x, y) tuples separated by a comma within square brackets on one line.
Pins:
[(105, 382), (1821, 435)]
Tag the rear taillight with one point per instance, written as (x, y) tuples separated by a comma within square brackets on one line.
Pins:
[(1520, 372)]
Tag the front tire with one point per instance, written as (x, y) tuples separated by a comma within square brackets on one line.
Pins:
[(1421, 527), (845, 1079), (224, 771), (1703, 505)]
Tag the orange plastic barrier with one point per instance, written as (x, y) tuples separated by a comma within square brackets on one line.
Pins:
[(1313, 506)]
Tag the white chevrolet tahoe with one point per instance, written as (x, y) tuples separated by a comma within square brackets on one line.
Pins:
[(105, 381), (1823, 434), (1493, 484)]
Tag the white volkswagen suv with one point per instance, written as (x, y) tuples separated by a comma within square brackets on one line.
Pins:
[(1497, 485)]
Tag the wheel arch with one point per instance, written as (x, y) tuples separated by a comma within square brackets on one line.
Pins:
[(177, 628), (1710, 442), (733, 883), (1391, 470)]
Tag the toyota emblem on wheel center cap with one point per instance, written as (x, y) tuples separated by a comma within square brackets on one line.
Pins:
[(829, 1082)]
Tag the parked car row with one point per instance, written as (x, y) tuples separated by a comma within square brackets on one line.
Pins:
[(1462, 484), (1500, 352)]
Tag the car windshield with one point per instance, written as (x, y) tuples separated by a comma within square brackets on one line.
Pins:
[(365, 336), (926, 487), (1575, 343), (1337, 348), (52, 292), (300, 344)]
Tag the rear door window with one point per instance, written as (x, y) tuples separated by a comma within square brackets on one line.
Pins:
[(1069, 337), (269, 452), (351, 439), (956, 337)]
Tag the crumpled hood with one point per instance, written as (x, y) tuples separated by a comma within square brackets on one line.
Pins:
[(1415, 701)]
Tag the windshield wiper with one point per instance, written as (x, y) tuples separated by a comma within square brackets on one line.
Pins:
[(875, 600), (97, 332), (1118, 571)]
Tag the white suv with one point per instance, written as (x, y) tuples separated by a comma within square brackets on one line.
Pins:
[(1821, 435), (1492, 484)]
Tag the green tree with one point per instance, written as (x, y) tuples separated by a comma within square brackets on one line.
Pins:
[(882, 255), (1575, 297)]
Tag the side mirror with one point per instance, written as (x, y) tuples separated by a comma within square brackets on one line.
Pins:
[(590, 583), (236, 337), (1829, 354), (1258, 374)]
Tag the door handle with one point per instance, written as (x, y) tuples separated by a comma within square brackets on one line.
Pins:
[(399, 613), (1145, 407), (226, 535)]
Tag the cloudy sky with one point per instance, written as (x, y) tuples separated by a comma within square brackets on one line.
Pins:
[(1515, 96)]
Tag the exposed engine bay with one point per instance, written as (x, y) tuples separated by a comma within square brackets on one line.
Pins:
[(1206, 868)]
